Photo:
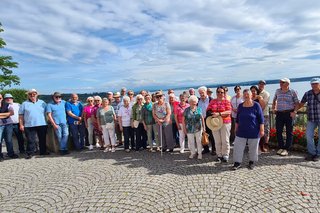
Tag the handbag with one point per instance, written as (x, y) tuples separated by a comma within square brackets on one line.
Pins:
[(205, 139)]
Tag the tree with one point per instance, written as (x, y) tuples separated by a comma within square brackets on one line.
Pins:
[(6, 64)]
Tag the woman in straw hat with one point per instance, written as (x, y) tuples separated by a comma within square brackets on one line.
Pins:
[(221, 107), (249, 129)]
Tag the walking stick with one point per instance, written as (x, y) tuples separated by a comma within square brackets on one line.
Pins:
[(161, 138)]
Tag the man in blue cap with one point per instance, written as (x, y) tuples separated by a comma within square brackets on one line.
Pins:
[(312, 98)]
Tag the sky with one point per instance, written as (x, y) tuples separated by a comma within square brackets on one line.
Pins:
[(87, 46)]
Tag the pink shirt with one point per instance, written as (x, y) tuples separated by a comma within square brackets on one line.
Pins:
[(88, 110), (178, 110)]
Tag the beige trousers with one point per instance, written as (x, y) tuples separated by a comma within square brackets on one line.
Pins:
[(221, 139)]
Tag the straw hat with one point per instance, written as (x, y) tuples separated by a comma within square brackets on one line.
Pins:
[(214, 123)]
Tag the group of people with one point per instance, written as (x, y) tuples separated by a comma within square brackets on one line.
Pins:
[(150, 121)]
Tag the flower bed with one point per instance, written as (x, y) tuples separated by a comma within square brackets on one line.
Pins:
[(299, 138)]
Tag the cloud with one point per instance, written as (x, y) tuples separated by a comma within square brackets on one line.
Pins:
[(105, 45)]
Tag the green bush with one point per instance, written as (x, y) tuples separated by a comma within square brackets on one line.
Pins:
[(19, 95)]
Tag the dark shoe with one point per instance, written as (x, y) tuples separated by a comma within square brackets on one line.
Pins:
[(316, 158), (205, 151), (236, 166), (46, 153), (28, 156), (1, 158), (164, 150), (224, 160), (170, 150), (213, 153), (218, 159), (251, 165), (309, 158), (14, 156)]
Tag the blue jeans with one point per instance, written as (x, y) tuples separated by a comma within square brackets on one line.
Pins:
[(62, 134), (5, 131), (78, 134), (312, 149), (284, 119)]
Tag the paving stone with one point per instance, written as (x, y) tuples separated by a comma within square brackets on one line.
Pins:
[(146, 182)]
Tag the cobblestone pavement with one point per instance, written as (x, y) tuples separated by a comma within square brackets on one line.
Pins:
[(93, 181)]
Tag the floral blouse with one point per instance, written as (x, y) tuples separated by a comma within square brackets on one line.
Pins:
[(193, 120)]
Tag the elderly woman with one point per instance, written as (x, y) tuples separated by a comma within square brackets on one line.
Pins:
[(161, 112), (221, 107), (259, 99), (96, 128), (249, 129), (105, 119), (235, 101), (124, 119), (178, 114), (137, 123), (193, 126), (149, 122), (173, 104), (88, 119)]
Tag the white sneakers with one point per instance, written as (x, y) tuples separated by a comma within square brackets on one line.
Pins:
[(282, 152), (113, 149), (90, 147)]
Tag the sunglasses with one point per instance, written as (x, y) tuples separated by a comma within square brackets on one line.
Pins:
[(281, 82), (90, 100), (219, 92), (57, 96)]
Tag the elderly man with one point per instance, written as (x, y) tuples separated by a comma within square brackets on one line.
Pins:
[(74, 110), (203, 103), (312, 98), (285, 105), (122, 93), (15, 124), (264, 140), (6, 126), (56, 112), (116, 106), (32, 120)]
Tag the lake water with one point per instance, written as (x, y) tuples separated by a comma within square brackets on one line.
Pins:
[(300, 87)]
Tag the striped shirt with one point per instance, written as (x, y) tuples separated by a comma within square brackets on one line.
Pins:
[(285, 100), (313, 104), (220, 106)]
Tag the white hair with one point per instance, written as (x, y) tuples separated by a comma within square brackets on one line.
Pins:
[(202, 88), (126, 98), (97, 97), (193, 98), (89, 98), (172, 95)]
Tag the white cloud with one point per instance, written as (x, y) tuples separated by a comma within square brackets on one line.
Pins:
[(140, 43)]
